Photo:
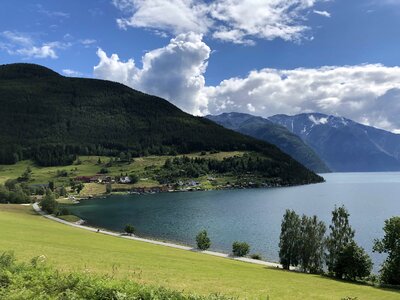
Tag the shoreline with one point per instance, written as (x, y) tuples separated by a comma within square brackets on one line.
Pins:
[(37, 209), (157, 190)]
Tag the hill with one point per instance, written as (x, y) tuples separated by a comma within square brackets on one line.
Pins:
[(30, 235), (50, 119), (344, 145), (275, 134)]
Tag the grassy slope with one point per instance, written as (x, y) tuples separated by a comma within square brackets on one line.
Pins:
[(89, 167), (74, 249)]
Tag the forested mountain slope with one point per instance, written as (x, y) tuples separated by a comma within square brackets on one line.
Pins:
[(275, 134), (50, 118)]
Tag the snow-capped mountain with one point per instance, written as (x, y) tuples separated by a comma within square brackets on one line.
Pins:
[(345, 145), (278, 135)]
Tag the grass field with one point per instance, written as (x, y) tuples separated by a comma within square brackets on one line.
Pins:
[(143, 167), (69, 248)]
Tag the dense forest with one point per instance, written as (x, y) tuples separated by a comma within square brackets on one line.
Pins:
[(267, 170), (50, 119)]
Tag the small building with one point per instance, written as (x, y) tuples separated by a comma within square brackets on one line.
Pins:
[(125, 180), (84, 179)]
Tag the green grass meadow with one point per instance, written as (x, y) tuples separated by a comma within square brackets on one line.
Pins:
[(143, 167), (72, 249)]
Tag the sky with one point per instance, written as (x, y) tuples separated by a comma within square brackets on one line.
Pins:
[(262, 57)]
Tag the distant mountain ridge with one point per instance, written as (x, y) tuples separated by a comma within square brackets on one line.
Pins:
[(50, 118), (345, 145), (270, 132)]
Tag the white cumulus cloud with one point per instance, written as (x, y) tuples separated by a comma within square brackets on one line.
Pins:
[(237, 21), (368, 93), (176, 16), (16, 43), (174, 72)]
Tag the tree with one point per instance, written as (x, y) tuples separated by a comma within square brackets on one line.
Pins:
[(110, 163), (79, 187), (134, 178), (353, 262), (109, 188), (63, 191), (312, 244), (122, 157), (129, 229), (390, 244), (289, 246), (26, 176), (10, 184), (99, 161), (51, 186), (240, 249), (340, 236), (49, 203), (78, 161), (103, 171), (203, 241)]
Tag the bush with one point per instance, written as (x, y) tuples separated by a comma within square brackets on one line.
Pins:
[(256, 256), (108, 188), (62, 191), (103, 171), (62, 173), (37, 281), (353, 263), (134, 178), (63, 212), (203, 241), (18, 195), (240, 249), (49, 203), (129, 229)]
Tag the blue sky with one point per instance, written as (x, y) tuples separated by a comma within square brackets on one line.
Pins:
[(262, 57)]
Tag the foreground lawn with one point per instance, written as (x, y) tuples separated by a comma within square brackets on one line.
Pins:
[(67, 248)]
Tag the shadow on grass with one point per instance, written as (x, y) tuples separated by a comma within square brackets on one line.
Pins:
[(387, 288)]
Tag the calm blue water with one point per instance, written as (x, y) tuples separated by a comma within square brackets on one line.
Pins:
[(253, 215)]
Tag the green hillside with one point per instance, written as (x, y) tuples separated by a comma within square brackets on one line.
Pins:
[(50, 119), (71, 249)]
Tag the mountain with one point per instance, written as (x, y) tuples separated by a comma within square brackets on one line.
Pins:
[(50, 118), (344, 145), (270, 132)]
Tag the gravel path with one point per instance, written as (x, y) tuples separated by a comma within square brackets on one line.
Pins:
[(243, 259)]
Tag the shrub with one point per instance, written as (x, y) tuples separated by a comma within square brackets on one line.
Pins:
[(134, 178), (63, 212), (62, 191), (129, 229), (203, 241), (103, 171), (109, 188), (256, 256), (37, 281), (49, 203), (62, 173), (240, 249), (353, 263)]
